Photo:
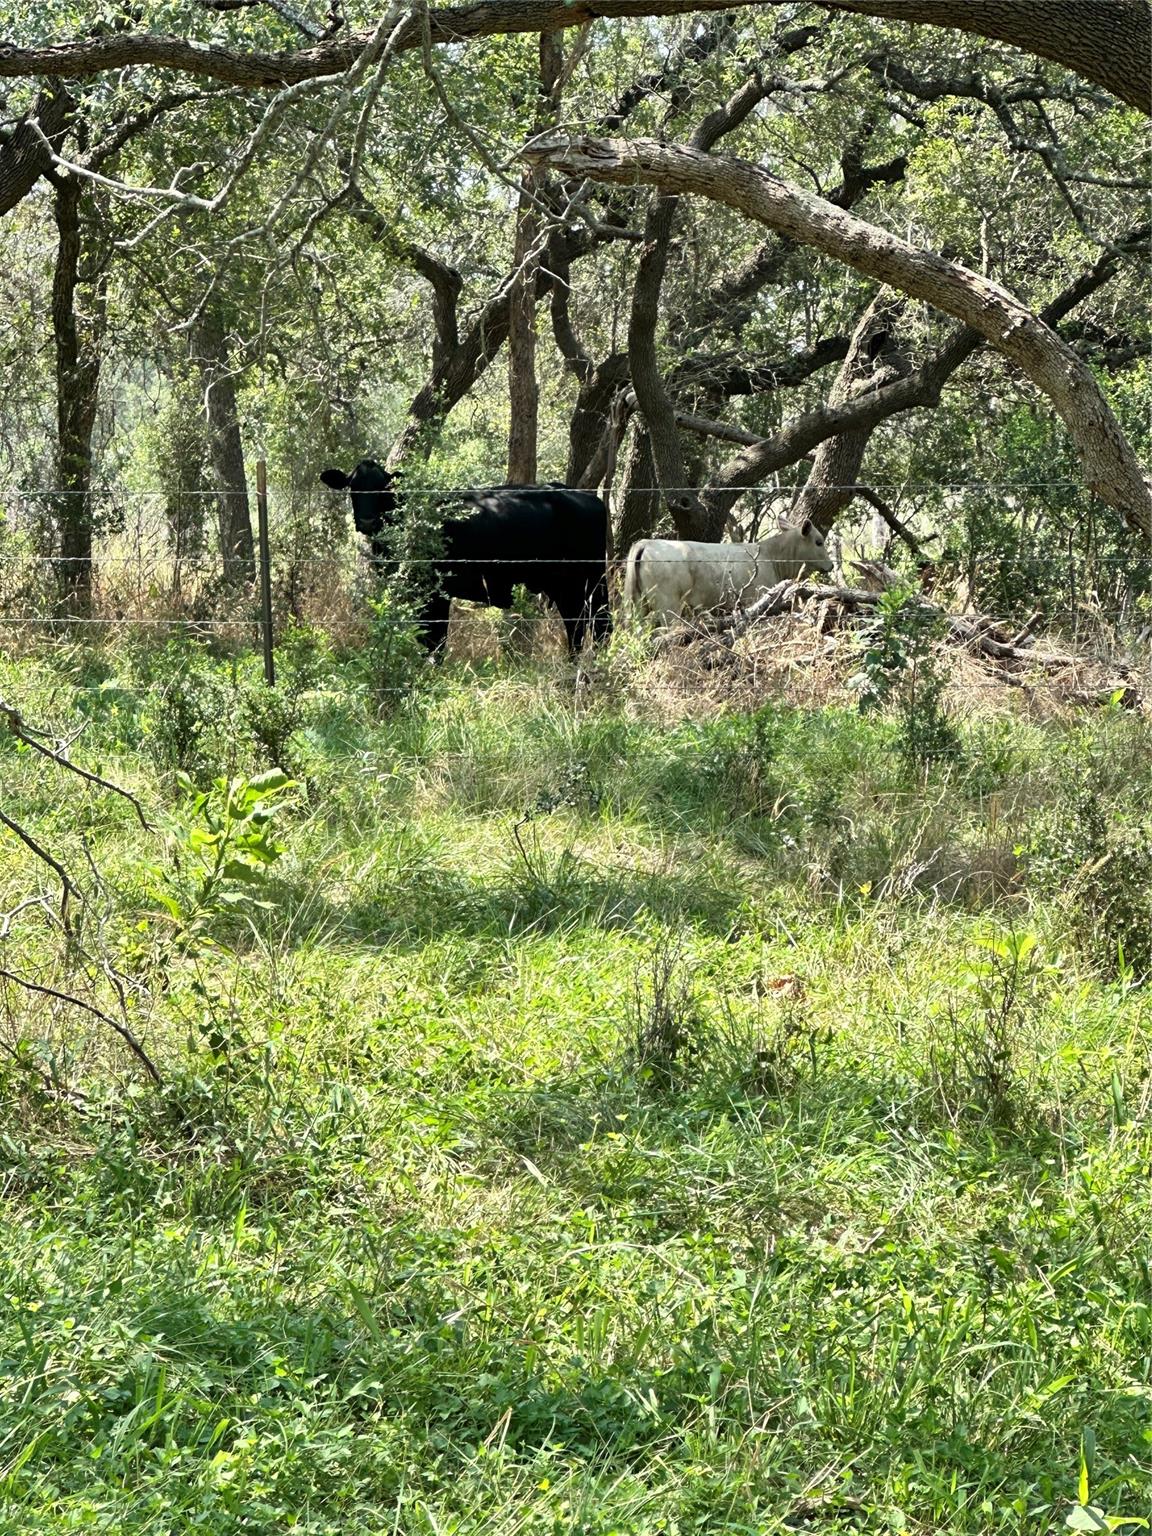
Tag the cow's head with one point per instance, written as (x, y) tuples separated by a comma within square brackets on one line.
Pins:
[(374, 498), (804, 544)]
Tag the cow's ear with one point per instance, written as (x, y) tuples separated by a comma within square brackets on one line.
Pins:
[(336, 478), (807, 529)]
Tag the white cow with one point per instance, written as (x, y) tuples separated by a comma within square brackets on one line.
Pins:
[(669, 579)]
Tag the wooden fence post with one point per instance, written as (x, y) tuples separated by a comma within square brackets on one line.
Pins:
[(265, 572)]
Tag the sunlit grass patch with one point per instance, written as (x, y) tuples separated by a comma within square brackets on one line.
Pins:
[(585, 1121)]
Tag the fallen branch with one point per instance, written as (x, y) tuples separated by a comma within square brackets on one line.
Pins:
[(978, 633), (1030, 624)]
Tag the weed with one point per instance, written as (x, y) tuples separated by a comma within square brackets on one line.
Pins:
[(186, 714), (665, 1031), (219, 862), (269, 718), (1093, 847), (978, 1066), (771, 1051), (900, 667)]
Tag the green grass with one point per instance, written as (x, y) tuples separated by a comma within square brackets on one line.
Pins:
[(582, 1124)]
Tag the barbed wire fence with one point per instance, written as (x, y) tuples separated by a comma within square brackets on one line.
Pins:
[(308, 566)]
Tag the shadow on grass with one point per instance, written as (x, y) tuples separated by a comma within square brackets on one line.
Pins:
[(718, 1150), (425, 902)]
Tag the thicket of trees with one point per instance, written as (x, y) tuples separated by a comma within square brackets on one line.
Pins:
[(865, 259)]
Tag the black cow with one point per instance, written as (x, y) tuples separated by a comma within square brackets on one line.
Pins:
[(547, 538)]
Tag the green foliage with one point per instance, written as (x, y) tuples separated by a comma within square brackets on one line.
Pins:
[(900, 668), (199, 713), (983, 1038), (220, 860), (1093, 845), (607, 1117), (185, 716), (180, 467), (542, 1120), (667, 1024), (392, 662)]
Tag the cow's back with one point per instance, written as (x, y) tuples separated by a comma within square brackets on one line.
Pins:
[(549, 539), (673, 577)]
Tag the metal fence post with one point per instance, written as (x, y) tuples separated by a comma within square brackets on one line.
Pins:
[(265, 572)]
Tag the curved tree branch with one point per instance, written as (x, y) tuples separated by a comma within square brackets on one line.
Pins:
[(260, 69), (1106, 41), (1110, 468), (856, 418)]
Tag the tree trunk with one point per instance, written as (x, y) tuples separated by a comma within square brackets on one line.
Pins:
[(523, 390), (591, 417), (226, 450), (77, 343), (23, 157), (691, 517), (1110, 468), (453, 378), (832, 480), (640, 503), (653, 400)]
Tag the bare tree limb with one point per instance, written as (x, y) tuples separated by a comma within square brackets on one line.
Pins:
[(897, 525), (703, 426), (122, 1030), (68, 890), (23, 732)]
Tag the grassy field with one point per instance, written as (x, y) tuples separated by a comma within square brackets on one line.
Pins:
[(577, 1114)]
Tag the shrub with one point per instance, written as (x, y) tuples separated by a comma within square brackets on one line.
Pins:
[(1093, 846), (392, 661), (900, 667)]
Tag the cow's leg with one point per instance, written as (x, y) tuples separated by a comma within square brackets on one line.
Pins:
[(573, 606), (591, 604), (597, 614), (433, 626), (601, 617), (575, 629)]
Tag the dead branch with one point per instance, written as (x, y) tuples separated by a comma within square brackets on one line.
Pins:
[(122, 1030), (68, 890), (979, 633), (899, 528), (23, 732), (1029, 625)]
